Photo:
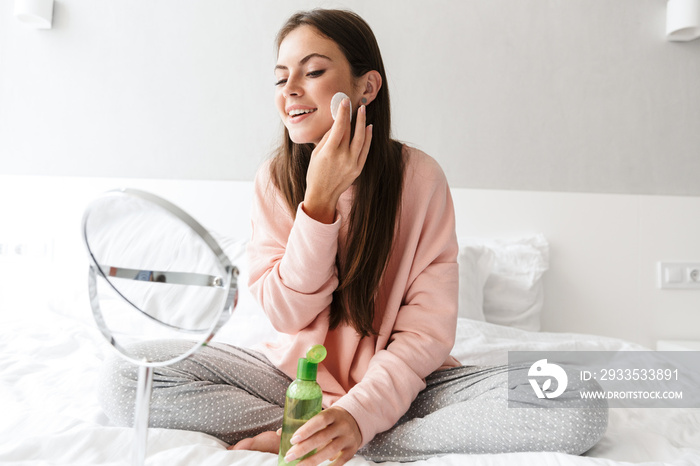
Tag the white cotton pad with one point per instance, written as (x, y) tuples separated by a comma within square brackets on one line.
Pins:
[(335, 103)]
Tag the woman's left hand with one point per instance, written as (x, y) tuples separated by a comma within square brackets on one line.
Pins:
[(333, 433)]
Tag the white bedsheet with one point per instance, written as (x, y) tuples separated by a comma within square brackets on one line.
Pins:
[(49, 413)]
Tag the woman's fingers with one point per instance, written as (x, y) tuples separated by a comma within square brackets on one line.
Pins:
[(332, 451), (325, 445), (323, 141), (333, 434), (358, 139), (341, 125), (314, 425)]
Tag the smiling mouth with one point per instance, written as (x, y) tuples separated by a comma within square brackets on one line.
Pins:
[(296, 113)]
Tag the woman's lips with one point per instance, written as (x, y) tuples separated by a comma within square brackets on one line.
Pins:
[(297, 114)]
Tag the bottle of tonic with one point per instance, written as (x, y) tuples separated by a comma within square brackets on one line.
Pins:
[(303, 400)]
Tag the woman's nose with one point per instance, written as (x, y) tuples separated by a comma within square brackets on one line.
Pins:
[(292, 88)]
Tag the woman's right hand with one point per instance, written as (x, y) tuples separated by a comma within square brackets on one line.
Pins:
[(335, 163)]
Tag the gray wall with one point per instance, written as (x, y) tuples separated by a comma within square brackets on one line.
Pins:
[(558, 95)]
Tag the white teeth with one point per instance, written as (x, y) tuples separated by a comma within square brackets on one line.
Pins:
[(301, 111)]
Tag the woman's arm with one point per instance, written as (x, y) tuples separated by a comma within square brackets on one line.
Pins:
[(293, 268), (292, 260)]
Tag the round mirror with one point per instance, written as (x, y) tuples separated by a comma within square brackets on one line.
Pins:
[(155, 274)]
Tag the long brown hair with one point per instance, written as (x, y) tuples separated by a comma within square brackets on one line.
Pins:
[(377, 199)]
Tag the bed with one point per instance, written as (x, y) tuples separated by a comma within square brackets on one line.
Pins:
[(51, 351)]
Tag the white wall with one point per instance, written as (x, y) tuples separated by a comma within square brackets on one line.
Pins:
[(558, 95), (527, 96)]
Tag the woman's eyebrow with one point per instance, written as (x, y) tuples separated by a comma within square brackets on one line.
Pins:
[(305, 59)]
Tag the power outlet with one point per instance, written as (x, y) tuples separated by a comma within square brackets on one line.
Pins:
[(679, 275), (29, 249)]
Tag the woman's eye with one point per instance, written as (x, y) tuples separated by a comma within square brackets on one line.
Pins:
[(310, 74)]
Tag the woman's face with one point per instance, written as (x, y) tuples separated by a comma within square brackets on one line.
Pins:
[(310, 70)]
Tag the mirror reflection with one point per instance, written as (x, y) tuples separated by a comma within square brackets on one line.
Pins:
[(157, 274)]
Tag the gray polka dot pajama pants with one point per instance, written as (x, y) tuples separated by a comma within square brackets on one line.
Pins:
[(233, 393)]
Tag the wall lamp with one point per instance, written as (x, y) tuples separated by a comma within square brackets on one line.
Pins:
[(682, 20), (35, 13)]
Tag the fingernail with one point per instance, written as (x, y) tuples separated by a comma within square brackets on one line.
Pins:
[(362, 109), (345, 103), (290, 457), (294, 439), (371, 127)]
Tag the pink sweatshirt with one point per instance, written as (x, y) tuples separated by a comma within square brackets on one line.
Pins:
[(293, 275)]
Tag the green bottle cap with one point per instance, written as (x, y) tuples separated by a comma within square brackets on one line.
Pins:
[(308, 366), (316, 354)]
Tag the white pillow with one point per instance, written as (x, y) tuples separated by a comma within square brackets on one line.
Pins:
[(475, 264), (512, 285)]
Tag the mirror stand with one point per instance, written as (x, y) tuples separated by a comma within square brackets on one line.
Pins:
[(142, 413), (160, 276)]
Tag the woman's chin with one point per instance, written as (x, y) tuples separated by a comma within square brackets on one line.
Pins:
[(300, 136), (296, 139)]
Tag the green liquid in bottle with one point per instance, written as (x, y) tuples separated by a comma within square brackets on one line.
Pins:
[(296, 413)]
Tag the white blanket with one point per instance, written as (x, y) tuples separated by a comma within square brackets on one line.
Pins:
[(49, 413)]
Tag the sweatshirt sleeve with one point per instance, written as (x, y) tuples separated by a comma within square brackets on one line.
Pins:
[(423, 332), (292, 259)]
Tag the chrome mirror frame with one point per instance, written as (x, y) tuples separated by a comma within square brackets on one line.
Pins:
[(145, 376)]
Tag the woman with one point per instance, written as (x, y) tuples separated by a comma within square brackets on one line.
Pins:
[(353, 246)]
